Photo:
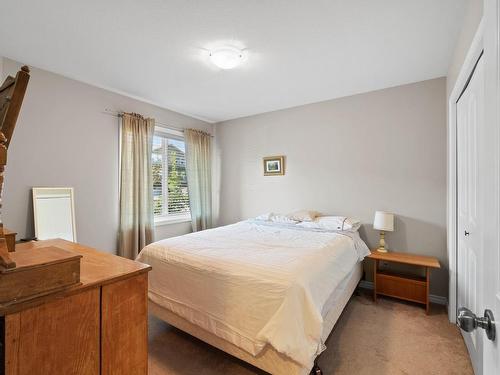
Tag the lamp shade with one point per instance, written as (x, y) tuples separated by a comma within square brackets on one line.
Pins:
[(383, 221)]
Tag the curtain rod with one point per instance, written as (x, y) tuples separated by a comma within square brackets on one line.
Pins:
[(120, 114)]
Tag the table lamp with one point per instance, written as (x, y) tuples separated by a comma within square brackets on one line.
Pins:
[(384, 222)]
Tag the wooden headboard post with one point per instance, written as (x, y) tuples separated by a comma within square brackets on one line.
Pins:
[(11, 98)]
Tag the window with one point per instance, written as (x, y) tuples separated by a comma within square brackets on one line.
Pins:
[(170, 192)]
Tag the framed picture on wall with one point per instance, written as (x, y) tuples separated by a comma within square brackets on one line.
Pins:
[(274, 165)]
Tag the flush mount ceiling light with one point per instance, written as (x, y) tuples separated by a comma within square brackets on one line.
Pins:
[(227, 57)]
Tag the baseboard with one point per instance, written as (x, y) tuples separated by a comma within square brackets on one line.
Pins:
[(440, 300)]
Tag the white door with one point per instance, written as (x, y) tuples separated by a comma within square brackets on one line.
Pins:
[(470, 120), (478, 199), (490, 164)]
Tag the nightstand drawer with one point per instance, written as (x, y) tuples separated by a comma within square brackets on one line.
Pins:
[(407, 288)]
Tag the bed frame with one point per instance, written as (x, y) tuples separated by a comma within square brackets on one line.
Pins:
[(269, 359)]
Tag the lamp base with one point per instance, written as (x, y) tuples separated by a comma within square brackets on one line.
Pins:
[(381, 245)]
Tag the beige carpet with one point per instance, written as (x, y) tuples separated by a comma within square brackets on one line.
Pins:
[(386, 338)]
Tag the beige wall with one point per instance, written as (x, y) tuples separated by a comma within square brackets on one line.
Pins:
[(62, 138), (473, 15), (383, 150)]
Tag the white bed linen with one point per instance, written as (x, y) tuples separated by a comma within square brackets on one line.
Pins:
[(268, 359), (253, 284)]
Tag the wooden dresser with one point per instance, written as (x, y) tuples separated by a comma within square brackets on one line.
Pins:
[(98, 327)]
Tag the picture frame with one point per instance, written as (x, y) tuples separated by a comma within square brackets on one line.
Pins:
[(274, 165)]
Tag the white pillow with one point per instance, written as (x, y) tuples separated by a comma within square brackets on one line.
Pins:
[(304, 215), (276, 218), (264, 217), (352, 224), (333, 223)]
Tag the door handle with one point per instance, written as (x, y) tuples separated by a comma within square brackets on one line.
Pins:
[(466, 233), (468, 321)]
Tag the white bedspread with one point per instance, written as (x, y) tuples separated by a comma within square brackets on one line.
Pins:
[(253, 283)]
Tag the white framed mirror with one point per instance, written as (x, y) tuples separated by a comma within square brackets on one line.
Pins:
[(54, 213)]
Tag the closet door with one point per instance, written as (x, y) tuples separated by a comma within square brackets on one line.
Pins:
[(470, 120)]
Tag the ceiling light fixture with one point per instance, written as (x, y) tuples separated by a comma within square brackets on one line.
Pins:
[(227, 57)]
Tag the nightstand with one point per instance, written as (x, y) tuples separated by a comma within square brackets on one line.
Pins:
[(406, 287)]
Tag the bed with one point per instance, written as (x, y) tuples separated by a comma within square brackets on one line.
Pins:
[(268, 293)]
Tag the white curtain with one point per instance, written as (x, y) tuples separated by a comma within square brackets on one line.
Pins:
[(136, 185), (199, 177)]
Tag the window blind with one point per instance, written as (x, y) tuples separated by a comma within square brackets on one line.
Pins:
[(170, 190)]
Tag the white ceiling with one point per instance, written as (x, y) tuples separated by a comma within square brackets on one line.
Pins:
[(299, 51)]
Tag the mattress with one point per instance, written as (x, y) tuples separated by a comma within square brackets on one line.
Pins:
[(269, 359), (254, 285)]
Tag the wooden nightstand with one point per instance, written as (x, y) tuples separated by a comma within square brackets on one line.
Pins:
[(406, 287)]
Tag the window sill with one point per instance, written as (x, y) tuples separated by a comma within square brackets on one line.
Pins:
[(174, 219)]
